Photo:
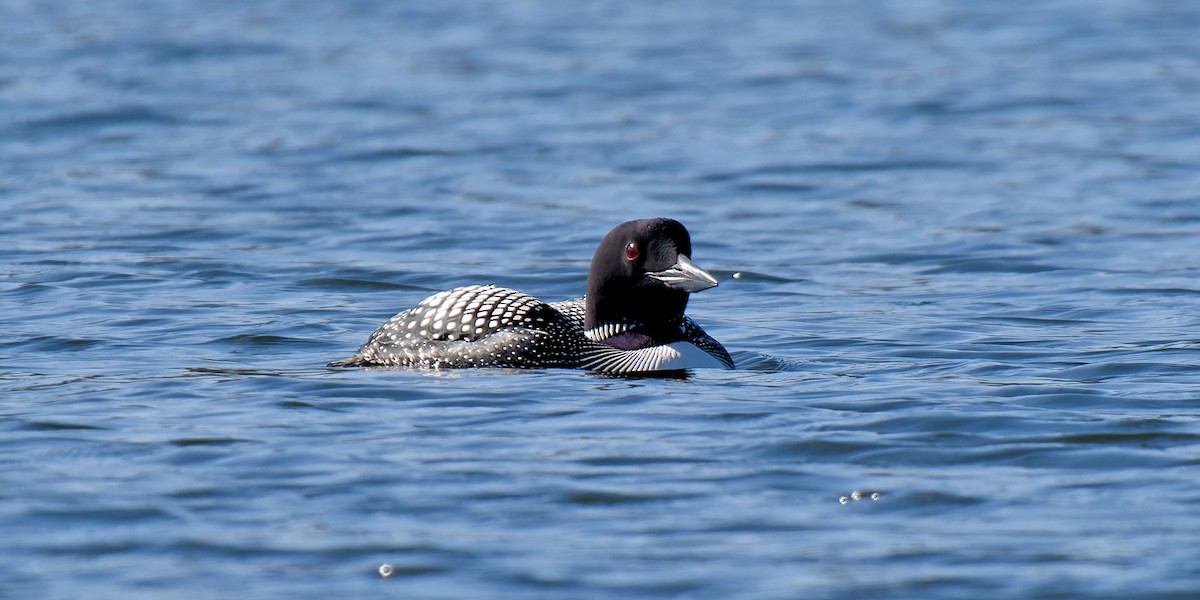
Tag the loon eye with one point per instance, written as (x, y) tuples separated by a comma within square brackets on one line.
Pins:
[(631, 251)]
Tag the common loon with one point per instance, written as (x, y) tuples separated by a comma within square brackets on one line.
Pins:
[(630, 320)]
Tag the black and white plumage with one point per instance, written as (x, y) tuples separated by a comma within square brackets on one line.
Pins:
[(630, 321)]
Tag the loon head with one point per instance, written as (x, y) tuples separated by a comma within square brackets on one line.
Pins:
[(642, 273)]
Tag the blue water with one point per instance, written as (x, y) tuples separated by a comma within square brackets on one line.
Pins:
[(959, 260)]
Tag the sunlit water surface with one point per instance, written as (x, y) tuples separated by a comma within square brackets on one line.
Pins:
[(957, 245)]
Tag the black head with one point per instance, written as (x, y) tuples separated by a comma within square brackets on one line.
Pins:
[(642, 272)]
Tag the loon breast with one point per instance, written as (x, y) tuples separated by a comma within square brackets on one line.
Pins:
[(675, 356)]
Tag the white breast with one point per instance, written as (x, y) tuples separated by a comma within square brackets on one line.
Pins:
[(668, 357), (678, 355)]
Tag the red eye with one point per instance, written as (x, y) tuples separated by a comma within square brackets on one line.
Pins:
[(631, 251)]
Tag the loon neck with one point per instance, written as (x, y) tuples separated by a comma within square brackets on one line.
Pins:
[(630, 335), (620, 301)]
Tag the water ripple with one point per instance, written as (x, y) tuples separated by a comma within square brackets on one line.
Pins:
[(957, 263)]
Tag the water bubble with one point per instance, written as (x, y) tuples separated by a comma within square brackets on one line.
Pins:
[(843, 499), (874, 495), (386, 570)]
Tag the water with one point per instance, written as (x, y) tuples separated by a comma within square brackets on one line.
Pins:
[(966, 239)]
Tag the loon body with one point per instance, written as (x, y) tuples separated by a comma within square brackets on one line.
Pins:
[(630, 321)]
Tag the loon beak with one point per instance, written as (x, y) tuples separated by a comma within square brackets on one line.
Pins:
[(685, 275)]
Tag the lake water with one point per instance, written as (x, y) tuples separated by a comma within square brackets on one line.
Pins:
[(957, 244)]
